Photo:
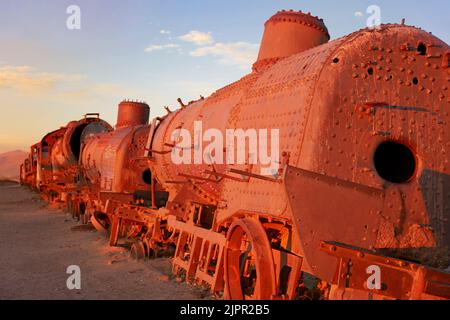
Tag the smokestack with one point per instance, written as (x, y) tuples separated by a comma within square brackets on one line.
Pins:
[(132, 114), (288, 33)]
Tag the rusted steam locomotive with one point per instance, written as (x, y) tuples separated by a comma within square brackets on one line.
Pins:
[(364, 179)]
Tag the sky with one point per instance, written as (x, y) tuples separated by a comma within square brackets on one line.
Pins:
[(150, 50)]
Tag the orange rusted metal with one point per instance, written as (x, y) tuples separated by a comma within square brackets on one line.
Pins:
[(244, 266), (401, 279), (288, 33), (364, 178), (132, 114)]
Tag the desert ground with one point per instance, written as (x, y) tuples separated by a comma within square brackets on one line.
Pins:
[(38, 243), (10, 164)]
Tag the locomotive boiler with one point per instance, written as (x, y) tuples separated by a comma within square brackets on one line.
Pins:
[(362, 182), (52, 167)]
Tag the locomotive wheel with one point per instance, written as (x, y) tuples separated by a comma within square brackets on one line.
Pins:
[(138, 251), (249, 267), (98, 225)]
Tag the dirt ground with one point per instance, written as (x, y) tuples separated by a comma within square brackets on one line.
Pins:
[(38, 243)]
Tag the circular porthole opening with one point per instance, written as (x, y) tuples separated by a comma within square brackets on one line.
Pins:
[(395, 162), (147, 176)]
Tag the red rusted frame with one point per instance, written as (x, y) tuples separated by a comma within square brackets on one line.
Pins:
[(201, 242), (400, 279)]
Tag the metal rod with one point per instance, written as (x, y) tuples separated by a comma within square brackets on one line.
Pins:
[(253, 175)]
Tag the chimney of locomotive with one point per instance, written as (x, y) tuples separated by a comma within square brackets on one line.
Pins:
[(290, 32), (132, 114)]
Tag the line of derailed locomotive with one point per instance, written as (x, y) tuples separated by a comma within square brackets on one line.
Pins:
[(363, 191)]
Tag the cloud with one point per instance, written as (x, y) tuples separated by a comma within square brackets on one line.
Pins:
[(359, 14), (165, 31), (22, 82), (34, 101), (26, 78), (242, 54), (197, 37), (159, 47)]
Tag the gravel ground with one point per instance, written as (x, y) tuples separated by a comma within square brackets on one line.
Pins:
[(38, 243)]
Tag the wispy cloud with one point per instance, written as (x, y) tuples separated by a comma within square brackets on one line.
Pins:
[(359, 14), (165, 31), (26, 78), (197, 37), (241, 54), (43, 100), (17, 80), (159, 47)]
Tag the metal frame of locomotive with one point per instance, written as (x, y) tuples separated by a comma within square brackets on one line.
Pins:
[(364, 124)]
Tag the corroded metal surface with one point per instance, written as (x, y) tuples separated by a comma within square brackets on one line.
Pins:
[(132, 114), (363, 124)]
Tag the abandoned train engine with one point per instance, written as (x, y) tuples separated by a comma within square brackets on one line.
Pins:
[(363, 177), (52, 165)]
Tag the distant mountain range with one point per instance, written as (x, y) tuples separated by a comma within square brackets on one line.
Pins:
[(10, 164)]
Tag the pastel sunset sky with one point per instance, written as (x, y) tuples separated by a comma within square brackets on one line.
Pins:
[(155, 51)]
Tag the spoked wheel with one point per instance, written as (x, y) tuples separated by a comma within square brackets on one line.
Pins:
[(99, 223), (249, 267), (138, 250)]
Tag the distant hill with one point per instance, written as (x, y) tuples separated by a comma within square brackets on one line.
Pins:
[(10, 164)]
